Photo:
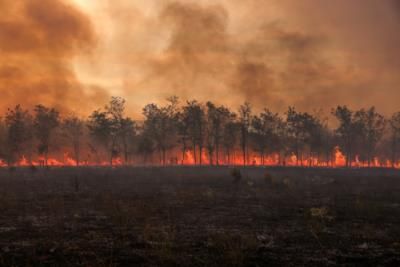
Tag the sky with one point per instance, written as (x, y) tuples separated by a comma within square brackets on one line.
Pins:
[(312, 54)]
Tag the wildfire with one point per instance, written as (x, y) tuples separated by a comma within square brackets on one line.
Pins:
[(189, 159), (340, 159)]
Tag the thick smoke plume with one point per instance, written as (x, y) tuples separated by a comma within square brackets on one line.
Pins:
[(38, 40), (307, 53), (272, 53)]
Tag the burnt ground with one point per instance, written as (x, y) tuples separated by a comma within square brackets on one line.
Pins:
[(203, 216)]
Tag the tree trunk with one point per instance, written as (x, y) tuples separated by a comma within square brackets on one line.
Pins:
[(217, 152), (163, 156), (183, 155), (394, 150), (77, 158), (200, 154), (194, 154)]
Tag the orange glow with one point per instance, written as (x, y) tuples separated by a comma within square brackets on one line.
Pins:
[(236, 159), (340, 159)]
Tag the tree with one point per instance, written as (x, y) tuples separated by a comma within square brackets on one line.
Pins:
[(145, 146), (230, 135), (115, 111), (161, 126), (73, 128), (127, 133), (45, 121), (297, 133), (372, 127), (101, 129), (193, 117), (348, 131), (18, 122), (267, 133), (3, 140), (313, 134), (260, 136), (109, 126), (216, 118), (244, 122), (394, 124)]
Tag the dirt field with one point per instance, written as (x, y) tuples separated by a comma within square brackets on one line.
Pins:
[(203, 216)]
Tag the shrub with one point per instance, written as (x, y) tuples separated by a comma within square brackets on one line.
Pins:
[(236, 174)]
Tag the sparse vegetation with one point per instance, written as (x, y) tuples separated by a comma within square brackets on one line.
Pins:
[(196, 133), (188, 216), (236, 174)]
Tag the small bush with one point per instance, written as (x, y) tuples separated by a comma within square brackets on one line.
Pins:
[(237, 175), (33, 168), (268, 179)]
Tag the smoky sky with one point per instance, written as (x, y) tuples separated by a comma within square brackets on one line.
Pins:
[(306, 53), (38, 40)]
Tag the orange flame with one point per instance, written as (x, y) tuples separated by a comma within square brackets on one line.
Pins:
[(254, 159)]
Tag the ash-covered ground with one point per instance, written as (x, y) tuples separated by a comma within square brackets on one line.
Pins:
[(199, 216)]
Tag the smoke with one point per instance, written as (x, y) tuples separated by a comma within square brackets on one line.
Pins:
[(38, 40), (307, 53)]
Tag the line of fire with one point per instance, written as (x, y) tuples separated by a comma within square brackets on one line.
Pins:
[(195, 133)]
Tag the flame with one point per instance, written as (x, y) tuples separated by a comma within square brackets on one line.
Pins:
[(340, 159), (254, 159)]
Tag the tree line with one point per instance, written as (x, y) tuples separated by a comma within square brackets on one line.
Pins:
[(199, 133)]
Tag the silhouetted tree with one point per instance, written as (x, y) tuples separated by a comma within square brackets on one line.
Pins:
[(267, 133), (108, 126), (161, 126), (73, 128), (395, 136), (245, 123), (46, 121), (297, 132), (348, 131), (126, 134), (372, 127), (313, 134), (19, 131), (230, 135), (216, 118), (205, 129), (145, 146), (101, 129), (193, 117), (3, 140)]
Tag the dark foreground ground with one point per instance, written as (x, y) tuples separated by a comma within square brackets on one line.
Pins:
[(199, 217)]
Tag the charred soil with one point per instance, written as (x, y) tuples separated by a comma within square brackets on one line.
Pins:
[(199, 216)]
